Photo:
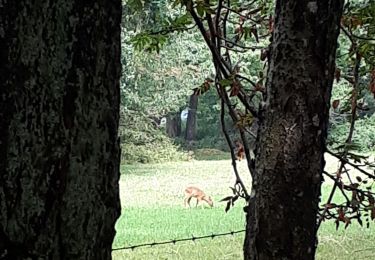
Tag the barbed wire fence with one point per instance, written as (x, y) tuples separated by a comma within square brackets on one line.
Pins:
[(174, 241)]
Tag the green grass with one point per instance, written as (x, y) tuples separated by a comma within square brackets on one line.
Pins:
[(210, 154), (153, 211)]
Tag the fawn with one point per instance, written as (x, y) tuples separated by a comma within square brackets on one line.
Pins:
[(197, 193)]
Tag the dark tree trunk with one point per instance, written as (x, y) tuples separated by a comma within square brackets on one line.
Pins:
[(174, 124), (178, 122), (191, 122), (59, 108), (282, 216)]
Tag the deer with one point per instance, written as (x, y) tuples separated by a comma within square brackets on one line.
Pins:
[(240, 150), (194, 192)]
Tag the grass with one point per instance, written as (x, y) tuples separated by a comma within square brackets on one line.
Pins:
[(152, 199), (210, 154)]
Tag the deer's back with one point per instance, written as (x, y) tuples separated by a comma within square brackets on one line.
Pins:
[(194, 191)]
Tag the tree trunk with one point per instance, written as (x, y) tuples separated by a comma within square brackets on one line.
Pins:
[(178, 123), (191, 122), (282, 216), (174, 124), (59, 110)]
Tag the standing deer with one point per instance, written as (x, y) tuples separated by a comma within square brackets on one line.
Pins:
[(194, 192)]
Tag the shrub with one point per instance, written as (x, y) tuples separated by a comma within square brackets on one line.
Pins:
[(142, 142), (363, 136)]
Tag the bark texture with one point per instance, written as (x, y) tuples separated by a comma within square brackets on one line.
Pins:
[(282, 213), (59, 108)]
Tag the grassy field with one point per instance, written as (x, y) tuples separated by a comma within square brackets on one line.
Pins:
[(153, 211)]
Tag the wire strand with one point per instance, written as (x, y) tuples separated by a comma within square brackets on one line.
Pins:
[(174, 241)]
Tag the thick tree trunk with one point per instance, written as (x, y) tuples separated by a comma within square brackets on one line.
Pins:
[(282, 216), (191, 122), (59, 108)]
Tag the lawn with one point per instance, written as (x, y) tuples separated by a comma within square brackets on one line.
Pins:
[(153, 211)]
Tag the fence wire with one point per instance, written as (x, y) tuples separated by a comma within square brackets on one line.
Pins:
[(174, 241)]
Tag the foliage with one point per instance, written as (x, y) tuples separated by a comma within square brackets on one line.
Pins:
[(340, 116), (142, 142), (357, 65), (364, 135), (155, 84), (161, 150)]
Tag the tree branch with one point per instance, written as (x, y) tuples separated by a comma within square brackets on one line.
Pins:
[(350, 135), (346, 161), (230, 144)]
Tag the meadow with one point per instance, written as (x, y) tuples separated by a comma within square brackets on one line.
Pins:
[(153, 210)]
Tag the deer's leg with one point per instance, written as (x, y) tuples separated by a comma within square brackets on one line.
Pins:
[(188, 201)]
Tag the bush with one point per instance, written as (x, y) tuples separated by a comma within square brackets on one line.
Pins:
[(142, 142), (363, 136), (156, 152)]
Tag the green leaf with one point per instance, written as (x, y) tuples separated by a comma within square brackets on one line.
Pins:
[(225, 82), (200, 10)]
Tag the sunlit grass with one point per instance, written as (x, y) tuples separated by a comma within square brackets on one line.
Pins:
[(210, 154), (153, 210)]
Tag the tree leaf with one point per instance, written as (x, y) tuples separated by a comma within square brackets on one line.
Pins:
[(228, 206), (360, 221), (226, 199), (254, 31), (200, 10), (335, 103), (337, 74), (225, 82), (372, 83)]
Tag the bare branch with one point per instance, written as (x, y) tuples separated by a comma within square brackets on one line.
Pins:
[(351, 164), (169, 30), (351, 35), (242, 46), (230, 144), (350, 135), (247, 79)]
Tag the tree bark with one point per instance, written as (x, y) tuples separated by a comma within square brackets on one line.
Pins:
[(59, 111), (191, 122), (282, 212)]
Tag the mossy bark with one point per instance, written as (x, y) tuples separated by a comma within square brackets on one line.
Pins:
[(282, 214), (59, 110)]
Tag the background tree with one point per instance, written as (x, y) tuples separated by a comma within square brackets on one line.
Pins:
[(191, 123), (59, 152), (161, 71)]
